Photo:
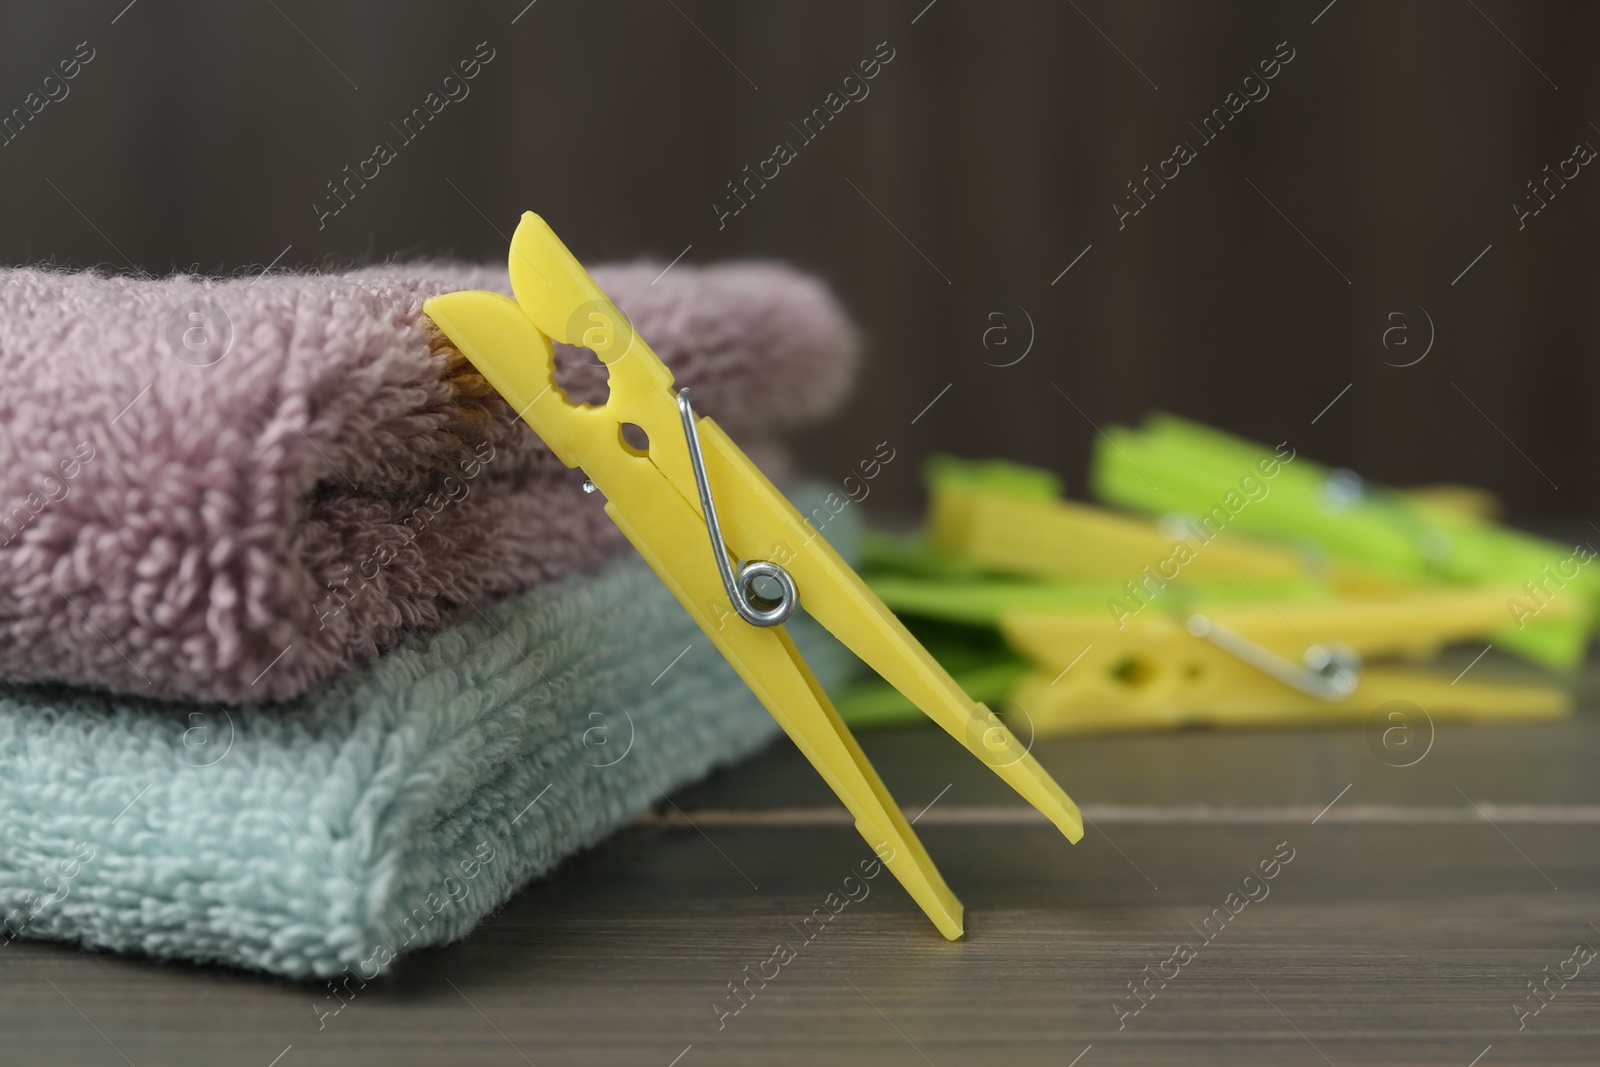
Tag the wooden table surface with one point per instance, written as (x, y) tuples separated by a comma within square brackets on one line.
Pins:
[(1416, 905)]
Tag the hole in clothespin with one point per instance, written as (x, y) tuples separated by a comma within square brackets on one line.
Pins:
[(580, 375), (634, 439), (1134, 672), (601, 334)]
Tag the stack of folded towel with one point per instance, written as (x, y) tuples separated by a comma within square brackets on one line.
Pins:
[(310, 652)]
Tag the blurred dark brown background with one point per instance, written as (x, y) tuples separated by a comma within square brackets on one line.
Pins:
[(985, 159)]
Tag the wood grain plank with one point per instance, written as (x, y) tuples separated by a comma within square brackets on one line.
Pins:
[(1380, 942)]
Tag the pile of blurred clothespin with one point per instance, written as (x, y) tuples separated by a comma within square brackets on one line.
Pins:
[(1248, 586)]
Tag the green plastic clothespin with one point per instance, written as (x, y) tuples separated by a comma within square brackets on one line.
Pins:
[(1218, 483)]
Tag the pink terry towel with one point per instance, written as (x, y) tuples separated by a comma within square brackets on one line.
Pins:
[(232, 489)]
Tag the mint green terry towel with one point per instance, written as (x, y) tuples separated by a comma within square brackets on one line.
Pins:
[(390, 808)]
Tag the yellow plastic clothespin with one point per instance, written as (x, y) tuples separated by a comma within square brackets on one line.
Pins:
[(692, 503), (1252, 665), (1011, 518)]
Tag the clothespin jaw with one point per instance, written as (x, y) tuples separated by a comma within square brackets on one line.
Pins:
[(693, 504)]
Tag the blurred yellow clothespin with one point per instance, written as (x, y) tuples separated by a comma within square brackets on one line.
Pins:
[(1011, 518), (692, 503), (1255, 665)]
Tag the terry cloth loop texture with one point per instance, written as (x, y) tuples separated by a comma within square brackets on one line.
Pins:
[(388, 809), (232, 490)]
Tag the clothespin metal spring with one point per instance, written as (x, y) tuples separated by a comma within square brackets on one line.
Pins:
[(1330, 671), (753, 607)]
